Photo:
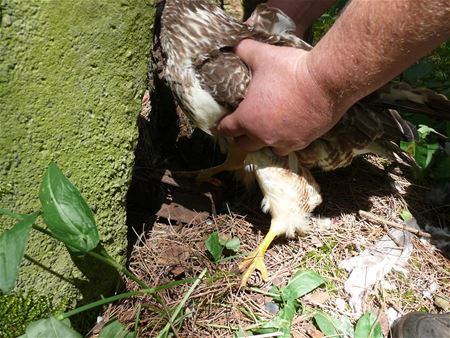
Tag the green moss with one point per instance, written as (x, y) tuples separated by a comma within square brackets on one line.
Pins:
[(71, 77), (18, 310)]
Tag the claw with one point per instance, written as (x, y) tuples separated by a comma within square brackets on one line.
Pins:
[(253, 262)]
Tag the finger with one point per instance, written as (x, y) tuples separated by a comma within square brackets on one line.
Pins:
[(229, 126), (281, 151), (246, 143), (248, 51)]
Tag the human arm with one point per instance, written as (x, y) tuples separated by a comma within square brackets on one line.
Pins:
[(296, 96)]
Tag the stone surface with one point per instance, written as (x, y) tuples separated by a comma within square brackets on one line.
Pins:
[(72, 74)]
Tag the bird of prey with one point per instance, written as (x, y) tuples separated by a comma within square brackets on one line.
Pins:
[(196, 40)]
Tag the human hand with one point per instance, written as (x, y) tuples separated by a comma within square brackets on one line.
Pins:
[(284, 108)]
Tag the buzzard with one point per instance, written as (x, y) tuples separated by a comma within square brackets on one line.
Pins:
[(196, 40)]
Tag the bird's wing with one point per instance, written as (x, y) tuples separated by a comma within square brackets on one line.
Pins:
[(400, 95), (225, 77)]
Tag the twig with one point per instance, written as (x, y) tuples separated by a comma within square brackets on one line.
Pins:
[(392, 237), (396, 225)]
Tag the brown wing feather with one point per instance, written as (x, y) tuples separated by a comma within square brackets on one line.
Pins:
[(225, 77)]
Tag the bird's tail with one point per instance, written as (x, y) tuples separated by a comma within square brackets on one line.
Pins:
[(400, 95)]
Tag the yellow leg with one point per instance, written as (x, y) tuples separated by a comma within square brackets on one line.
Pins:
[(234, 161), (255, 261)]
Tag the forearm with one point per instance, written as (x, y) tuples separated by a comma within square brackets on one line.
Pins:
[(302, 12), (373, 41)]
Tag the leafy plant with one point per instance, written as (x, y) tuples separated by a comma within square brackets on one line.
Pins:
[(114, 329), (215, 245), (287, 297), (429, 152), (366, 327), (69, 220), (334, 327)]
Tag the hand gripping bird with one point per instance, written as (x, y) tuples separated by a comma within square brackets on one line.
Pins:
[(208, 81)]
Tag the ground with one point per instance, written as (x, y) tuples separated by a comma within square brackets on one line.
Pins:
[(173, 246), (218, 307)]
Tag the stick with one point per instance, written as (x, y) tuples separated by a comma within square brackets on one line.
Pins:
[(396, 225), (393, 238)]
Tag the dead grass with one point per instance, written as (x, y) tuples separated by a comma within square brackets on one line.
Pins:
[(218, 307)]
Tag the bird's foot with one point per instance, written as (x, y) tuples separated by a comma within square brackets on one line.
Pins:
[(200, 176), (255, 261)]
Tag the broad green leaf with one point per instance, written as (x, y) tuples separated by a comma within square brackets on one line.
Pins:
[(66, 213), (447, 129), (50, 328), (346, 326), (232, 244), (214, 247), (240, 333), (114, 329), (441, 168), (425, 130), (333, 327), (424, 153), (368, 326), (406, 215), (9, 213), (282, 321), (300, 284), (418, 71), (409, 147), (12, 248)]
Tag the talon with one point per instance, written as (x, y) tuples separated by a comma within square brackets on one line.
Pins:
[(255, 261), (251, 263)]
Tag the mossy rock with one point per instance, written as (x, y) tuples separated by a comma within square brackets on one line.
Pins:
[(72, 74)]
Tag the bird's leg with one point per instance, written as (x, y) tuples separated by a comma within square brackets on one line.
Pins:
[(234, 161), (255, 261)]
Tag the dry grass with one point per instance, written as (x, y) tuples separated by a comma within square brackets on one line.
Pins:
[(218, 307)]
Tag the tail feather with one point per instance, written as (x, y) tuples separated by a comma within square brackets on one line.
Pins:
[(400, 95), (406, 128)]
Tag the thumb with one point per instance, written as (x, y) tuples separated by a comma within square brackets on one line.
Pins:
[(229, 126), (249, 50)]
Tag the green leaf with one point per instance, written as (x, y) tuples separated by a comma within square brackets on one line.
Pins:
[(425, 130), (409, 147), (9, 213), (50, 328), (282, 322), (424, 153), (66, 213), (114, 329), (368, 326), (240, 333), (333, 327), (214, 247), (406, 215), (12, 248), (232, 244), (441, 168), (418, 71), (300, 284)]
